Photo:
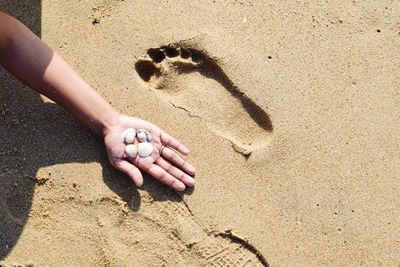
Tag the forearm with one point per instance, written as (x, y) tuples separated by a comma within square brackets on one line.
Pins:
[(26, 57), (68, 89)]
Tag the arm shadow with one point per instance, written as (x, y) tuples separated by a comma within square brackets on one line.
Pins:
[(35, 134)]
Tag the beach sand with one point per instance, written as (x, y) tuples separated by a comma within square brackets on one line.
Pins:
[(291, 112)]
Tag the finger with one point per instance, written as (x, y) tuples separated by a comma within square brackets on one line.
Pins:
[(179, 162), (172, 142), (175, 172), (164, 177), (130, 170)]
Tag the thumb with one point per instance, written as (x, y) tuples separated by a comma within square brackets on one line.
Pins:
[(130, 170)]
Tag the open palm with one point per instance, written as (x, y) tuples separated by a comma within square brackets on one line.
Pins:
[(169, 168)]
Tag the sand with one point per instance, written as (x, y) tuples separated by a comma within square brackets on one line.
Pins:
[(292, 118)]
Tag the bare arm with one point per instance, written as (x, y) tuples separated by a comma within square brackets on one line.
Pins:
[(26, 57)]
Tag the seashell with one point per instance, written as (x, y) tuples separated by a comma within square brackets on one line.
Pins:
[(131, 150), (143, 136), (144, 149), (129, 135), (149, 138)]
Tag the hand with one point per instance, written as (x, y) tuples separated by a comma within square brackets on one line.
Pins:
[(169, 168)]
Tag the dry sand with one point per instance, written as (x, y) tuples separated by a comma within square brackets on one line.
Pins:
[(293, 121)]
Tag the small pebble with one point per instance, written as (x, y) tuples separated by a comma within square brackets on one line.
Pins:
[(144, 149), (143, 136), (131, 150), (129, 135)]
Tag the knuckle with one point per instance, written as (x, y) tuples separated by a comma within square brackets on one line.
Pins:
[(117, 164), (114, 164), (184, 163), (170, 168), (172, 183), (163, 176), (175, 157)]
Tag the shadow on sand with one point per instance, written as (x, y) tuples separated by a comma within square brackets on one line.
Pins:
[(35, 134)]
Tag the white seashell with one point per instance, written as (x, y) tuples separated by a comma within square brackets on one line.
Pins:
[(131, 150), (144, 149), (149, 137), (143, 136), (129, 135)]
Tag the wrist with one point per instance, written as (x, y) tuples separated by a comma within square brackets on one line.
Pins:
[(110, 122)]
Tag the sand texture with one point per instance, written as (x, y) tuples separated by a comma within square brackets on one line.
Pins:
[(291, 110)]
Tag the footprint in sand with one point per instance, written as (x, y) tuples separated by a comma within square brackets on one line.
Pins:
[(191, 80), (213, 249)]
